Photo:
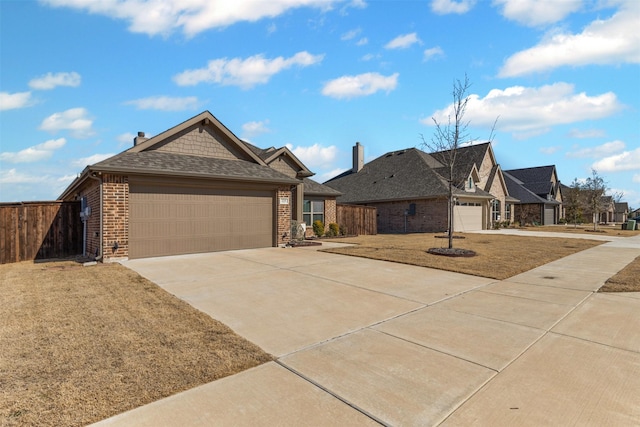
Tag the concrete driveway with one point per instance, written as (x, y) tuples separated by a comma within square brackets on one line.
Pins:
[(362, 342)]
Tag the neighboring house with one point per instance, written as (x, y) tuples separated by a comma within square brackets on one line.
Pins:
[(409, 189), (193, 188), (621, 212), (539, 192), (608, 211)]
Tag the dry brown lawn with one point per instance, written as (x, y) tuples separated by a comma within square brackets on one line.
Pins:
[(585, 229), (79, 344), (626, 280), (498, 256)]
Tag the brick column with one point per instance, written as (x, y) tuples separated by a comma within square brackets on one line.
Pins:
[(115, 190), (283, 211)]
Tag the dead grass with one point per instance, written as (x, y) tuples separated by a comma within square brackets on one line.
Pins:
[(626, 280), (80, 344), (498, 256), (606, 230)]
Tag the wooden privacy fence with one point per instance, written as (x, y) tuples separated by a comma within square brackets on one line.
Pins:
[(357, 219), (39, 230)]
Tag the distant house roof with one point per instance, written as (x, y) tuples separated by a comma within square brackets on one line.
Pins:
[(538, 179), (518, 190), (399, 175), (622, 207)]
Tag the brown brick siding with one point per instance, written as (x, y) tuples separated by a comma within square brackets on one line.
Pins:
[(115, 189), (330, 214), (430, 217), (283, 212)]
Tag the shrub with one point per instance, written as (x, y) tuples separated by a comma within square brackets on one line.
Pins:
[(343, 230), (318, 228), (334, 229)]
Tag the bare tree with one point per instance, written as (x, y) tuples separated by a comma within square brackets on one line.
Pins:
[(595, 188), (446, 140)]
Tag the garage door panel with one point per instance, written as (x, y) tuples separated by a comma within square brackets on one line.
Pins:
[(467, 218), (169, 220)]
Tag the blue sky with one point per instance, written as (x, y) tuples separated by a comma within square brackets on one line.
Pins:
[(79, 78)]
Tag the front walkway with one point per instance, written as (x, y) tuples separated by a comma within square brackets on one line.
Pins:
[(364, 342)]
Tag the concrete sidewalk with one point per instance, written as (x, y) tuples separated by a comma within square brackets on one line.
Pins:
[(364, 342)]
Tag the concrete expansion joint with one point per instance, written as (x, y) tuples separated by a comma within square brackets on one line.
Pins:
[(593, 342), (337, 396)]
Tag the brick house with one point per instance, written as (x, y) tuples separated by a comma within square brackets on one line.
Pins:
[(409, 189), (539, 192), (195, 187)]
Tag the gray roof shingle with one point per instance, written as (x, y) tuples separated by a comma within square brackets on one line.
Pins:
[(162, 163), (399, 175)]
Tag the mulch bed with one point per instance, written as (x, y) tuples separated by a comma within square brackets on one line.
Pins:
[(453, 252)]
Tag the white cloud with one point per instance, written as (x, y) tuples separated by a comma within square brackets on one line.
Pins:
[(550, 150), (75, 120), (625, 161), (636, 177), (404, 41), (50, 81), (598, 152), (537, 12), (163, 17), (165, 103), (12, 176), (325, 176), (589, 133), (432, 53), (33, 154), (349, 35), (245, 73), (360, 85), (315, 156), (85, 161), (532, 111), (12, 101), (252, 129), (363, 41), (443, 7), (611, 41), (125, 139)]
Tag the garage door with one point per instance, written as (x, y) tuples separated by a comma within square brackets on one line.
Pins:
[(467, 218), (172, 220), (549, 217)]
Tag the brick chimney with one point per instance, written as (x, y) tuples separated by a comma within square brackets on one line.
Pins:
[(358, 157), (139, 139)]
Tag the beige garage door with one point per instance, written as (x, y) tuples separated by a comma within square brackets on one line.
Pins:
[(172, 220), (467, 218)]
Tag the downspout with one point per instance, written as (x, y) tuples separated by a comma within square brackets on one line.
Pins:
[(98, 177)]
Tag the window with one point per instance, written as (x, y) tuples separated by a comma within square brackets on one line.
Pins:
[(312, 210), (470, 183), (495, 210), (507, 211)]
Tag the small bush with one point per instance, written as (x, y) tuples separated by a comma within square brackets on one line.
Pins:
[(334, 229), (318, 228), (343, 230)]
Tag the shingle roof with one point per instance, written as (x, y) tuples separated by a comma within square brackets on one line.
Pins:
[(521, 192), (163, 163), (536, 179), (398, 175), (313, 188)]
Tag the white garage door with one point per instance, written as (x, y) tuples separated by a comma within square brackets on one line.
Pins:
[(172, 220), (467, 218)]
